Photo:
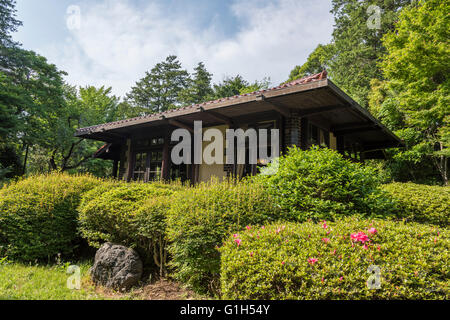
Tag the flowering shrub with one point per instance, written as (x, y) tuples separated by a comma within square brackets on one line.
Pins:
[(291, 261), (38, 216), (321, 184), (202, 217), (422, 203)]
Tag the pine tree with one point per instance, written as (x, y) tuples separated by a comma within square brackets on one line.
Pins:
[(199, 89), (158, 91)]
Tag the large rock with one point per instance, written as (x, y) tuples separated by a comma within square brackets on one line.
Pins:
[(116, 267)]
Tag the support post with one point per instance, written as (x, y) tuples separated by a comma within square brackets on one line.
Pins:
[(304, 133), (115, 168), (165, 170)]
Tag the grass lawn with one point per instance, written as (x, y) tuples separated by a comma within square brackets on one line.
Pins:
[(36, 282), (49, 282)]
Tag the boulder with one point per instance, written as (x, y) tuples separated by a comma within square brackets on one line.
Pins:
[(116, 267)]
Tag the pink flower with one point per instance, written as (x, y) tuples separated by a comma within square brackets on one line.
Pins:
[(341, 278), (324, 225), (251, 254), (248, 228), (326, 240), (263, 227), (282, 262), (323, 279), (360, 236), (333, 252), (379, 248), (312, 261), (365, 247), (235, 235), (373, 231), (238, 241)]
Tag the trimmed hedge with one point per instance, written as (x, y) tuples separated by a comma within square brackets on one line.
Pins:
[(38, 216), (422, 203), (331, 261), (132, 214), (320, 184), (202, 217)]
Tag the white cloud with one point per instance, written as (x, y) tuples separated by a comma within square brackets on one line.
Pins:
[(119, 41)]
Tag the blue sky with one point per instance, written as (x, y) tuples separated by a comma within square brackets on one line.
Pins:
[(116, 41)]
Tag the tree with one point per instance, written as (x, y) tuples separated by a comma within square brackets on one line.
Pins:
[(199, 87), (357, 42), (237, 85), (31, 92), (8, 23), (418, 89), (317, 61), (84, 108), (9, 150), (352, 57), (158, 91)]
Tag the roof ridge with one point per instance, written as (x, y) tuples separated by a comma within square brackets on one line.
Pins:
[(314, 77)]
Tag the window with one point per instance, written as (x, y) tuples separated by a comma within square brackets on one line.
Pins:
[(155, 165), (313, 134), (318, 136), (156, 141), (140, 161)]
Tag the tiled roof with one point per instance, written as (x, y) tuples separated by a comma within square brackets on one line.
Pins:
[(315, 77)]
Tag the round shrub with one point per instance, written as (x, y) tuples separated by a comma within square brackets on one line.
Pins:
[(200, 218), (320, 184), (38, 216), (151, 229), (421, 203), (340, 260), (131, 214)]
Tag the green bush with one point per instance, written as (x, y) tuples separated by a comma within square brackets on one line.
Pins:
[(151, 229), (422, 203), (279, 261), (320, 184), (38, 216), (202, 217), (132, 214)]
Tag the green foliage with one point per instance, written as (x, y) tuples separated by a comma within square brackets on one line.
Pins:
[(159, 89), (200, 219), (358, 48), (317, 61), (232, 86), (199, 87), (274, 262), (416, 66), (320, 184), (38, 216), (352, 57), (8, 22), (422, 203), (132, 214)]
